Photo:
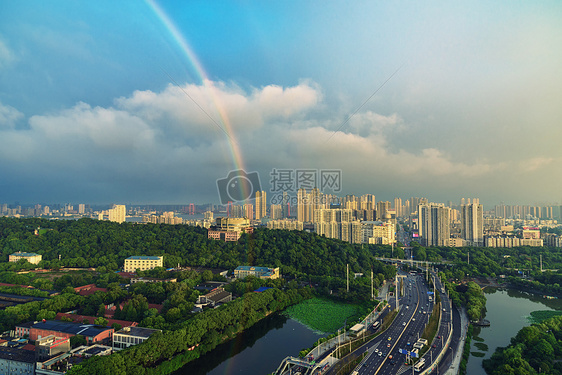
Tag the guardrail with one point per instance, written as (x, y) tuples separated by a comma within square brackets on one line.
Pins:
[(435, 363)]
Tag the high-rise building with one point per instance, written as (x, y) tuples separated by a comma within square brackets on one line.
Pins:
[(275, 212), (398, 206), (118, 213), (81, 208), (302, 206), (286, 205), (434, 224), (382, 208), (261, 204), (472, 222), (249, 211)]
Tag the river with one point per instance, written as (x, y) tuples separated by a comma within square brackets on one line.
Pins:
[(507, 311), (258, 350)]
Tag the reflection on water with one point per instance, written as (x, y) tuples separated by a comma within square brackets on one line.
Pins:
[(507, 311), (258, 350)]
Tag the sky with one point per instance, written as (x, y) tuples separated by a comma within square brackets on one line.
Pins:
[(155, 102)]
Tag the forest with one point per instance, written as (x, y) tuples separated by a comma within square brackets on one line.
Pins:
[(535, 349)]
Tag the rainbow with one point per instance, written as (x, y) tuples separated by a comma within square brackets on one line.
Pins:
[(206, 82)]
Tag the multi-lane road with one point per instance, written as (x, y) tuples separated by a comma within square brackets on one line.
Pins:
[(383, 356)]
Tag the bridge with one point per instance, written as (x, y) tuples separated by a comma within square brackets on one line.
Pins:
[(417, 263)]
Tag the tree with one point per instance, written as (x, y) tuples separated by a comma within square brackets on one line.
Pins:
[(76, 341), (101, 321)]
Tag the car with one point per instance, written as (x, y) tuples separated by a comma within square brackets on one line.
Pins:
[(380, 354), (404, 323), (390, 356), (413, 319), (388, 345), (434, 346), (376, 350), (408, 343), (438, 337), (389, 338)]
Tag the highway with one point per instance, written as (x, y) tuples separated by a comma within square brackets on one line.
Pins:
[(384, 357)]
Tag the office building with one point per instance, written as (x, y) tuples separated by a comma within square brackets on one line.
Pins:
[(242, 272), (130, 336), (142, 262), (30, 257)]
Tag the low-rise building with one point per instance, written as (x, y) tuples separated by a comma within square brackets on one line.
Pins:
[(129, 336), (142, 262), (30, 257), (214, 297), (261, 272), (16, 361), (152, 280), (51, 345), (92, 333), (229, 229), (22, 330)]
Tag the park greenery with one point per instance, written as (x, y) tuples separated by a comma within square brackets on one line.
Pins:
[(469, 295), (542, 315), (86, 251), (325, 316), (81, 252), (535, 349)]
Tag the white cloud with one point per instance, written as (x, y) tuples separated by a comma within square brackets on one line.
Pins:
[(9, 116), (534, 164), (163, 136), (7, 56)]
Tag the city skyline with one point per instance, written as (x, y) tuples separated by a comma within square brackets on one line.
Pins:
[(153, 103)]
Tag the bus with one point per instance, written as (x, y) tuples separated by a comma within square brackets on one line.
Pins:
[(419, 365), (376, 325)]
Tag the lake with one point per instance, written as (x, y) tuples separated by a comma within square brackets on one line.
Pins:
[(258, 350), (507, 311)]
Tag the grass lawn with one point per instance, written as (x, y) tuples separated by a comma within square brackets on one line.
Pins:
[(321, 314)]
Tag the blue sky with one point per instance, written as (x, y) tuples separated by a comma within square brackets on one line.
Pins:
[(100, 103)]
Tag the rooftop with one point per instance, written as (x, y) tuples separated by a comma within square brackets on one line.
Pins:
[(145, 257), (70, 327), (137, 331), (21, 254), (17, 355), (252, 268)]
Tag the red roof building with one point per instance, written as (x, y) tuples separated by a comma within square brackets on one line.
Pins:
[(81, 318)]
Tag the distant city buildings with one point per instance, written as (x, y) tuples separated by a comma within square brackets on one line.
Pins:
[(261, 204), (472, 222), (118, 213), (229, 229), (434, 224)]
